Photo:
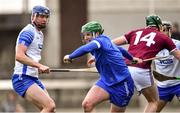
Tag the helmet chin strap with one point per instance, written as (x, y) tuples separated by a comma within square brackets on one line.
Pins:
[(94, 34), (33, 18), (169, 33), (38, 27)]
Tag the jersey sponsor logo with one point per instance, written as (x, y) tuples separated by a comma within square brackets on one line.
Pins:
[(167, 61)]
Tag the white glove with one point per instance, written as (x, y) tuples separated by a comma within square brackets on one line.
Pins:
[(67, 60)]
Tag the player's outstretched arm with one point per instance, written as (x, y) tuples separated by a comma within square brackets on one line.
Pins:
[(81, 51)]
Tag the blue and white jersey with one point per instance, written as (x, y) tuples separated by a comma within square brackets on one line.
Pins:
[(109, 60), (33, 39), (169, 66)]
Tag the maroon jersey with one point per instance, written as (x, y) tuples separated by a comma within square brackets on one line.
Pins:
[(146, 43)]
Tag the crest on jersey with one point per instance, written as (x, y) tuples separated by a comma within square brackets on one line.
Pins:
[(40, 46)]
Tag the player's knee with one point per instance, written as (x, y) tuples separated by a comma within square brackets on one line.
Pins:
[(87, 106), (51, 106), (153, 104)]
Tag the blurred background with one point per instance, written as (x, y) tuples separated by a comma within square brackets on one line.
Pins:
[(62, 36)]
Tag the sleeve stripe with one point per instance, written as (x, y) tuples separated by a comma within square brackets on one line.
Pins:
[(27, 35), (97, 43), (26, 38)]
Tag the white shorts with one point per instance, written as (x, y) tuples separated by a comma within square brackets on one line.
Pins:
[(142, 77)]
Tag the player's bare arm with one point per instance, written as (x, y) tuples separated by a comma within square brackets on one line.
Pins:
[(176, 53), (120, 40), (21, 57)]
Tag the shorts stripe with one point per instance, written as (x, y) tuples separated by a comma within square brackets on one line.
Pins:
[(22, 82)]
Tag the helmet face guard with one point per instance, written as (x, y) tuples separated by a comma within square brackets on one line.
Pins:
[(153, 20), (91, 28), (167, 24)]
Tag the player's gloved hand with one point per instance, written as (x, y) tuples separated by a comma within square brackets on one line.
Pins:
[(136, 60), (67, 60)]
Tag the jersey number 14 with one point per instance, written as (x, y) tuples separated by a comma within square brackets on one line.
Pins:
[(149, 38)]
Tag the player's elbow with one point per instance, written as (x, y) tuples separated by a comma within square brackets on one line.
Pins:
[(119, 41), (18, 57)]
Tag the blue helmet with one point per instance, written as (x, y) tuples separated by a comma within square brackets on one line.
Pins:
[(40, 10)]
